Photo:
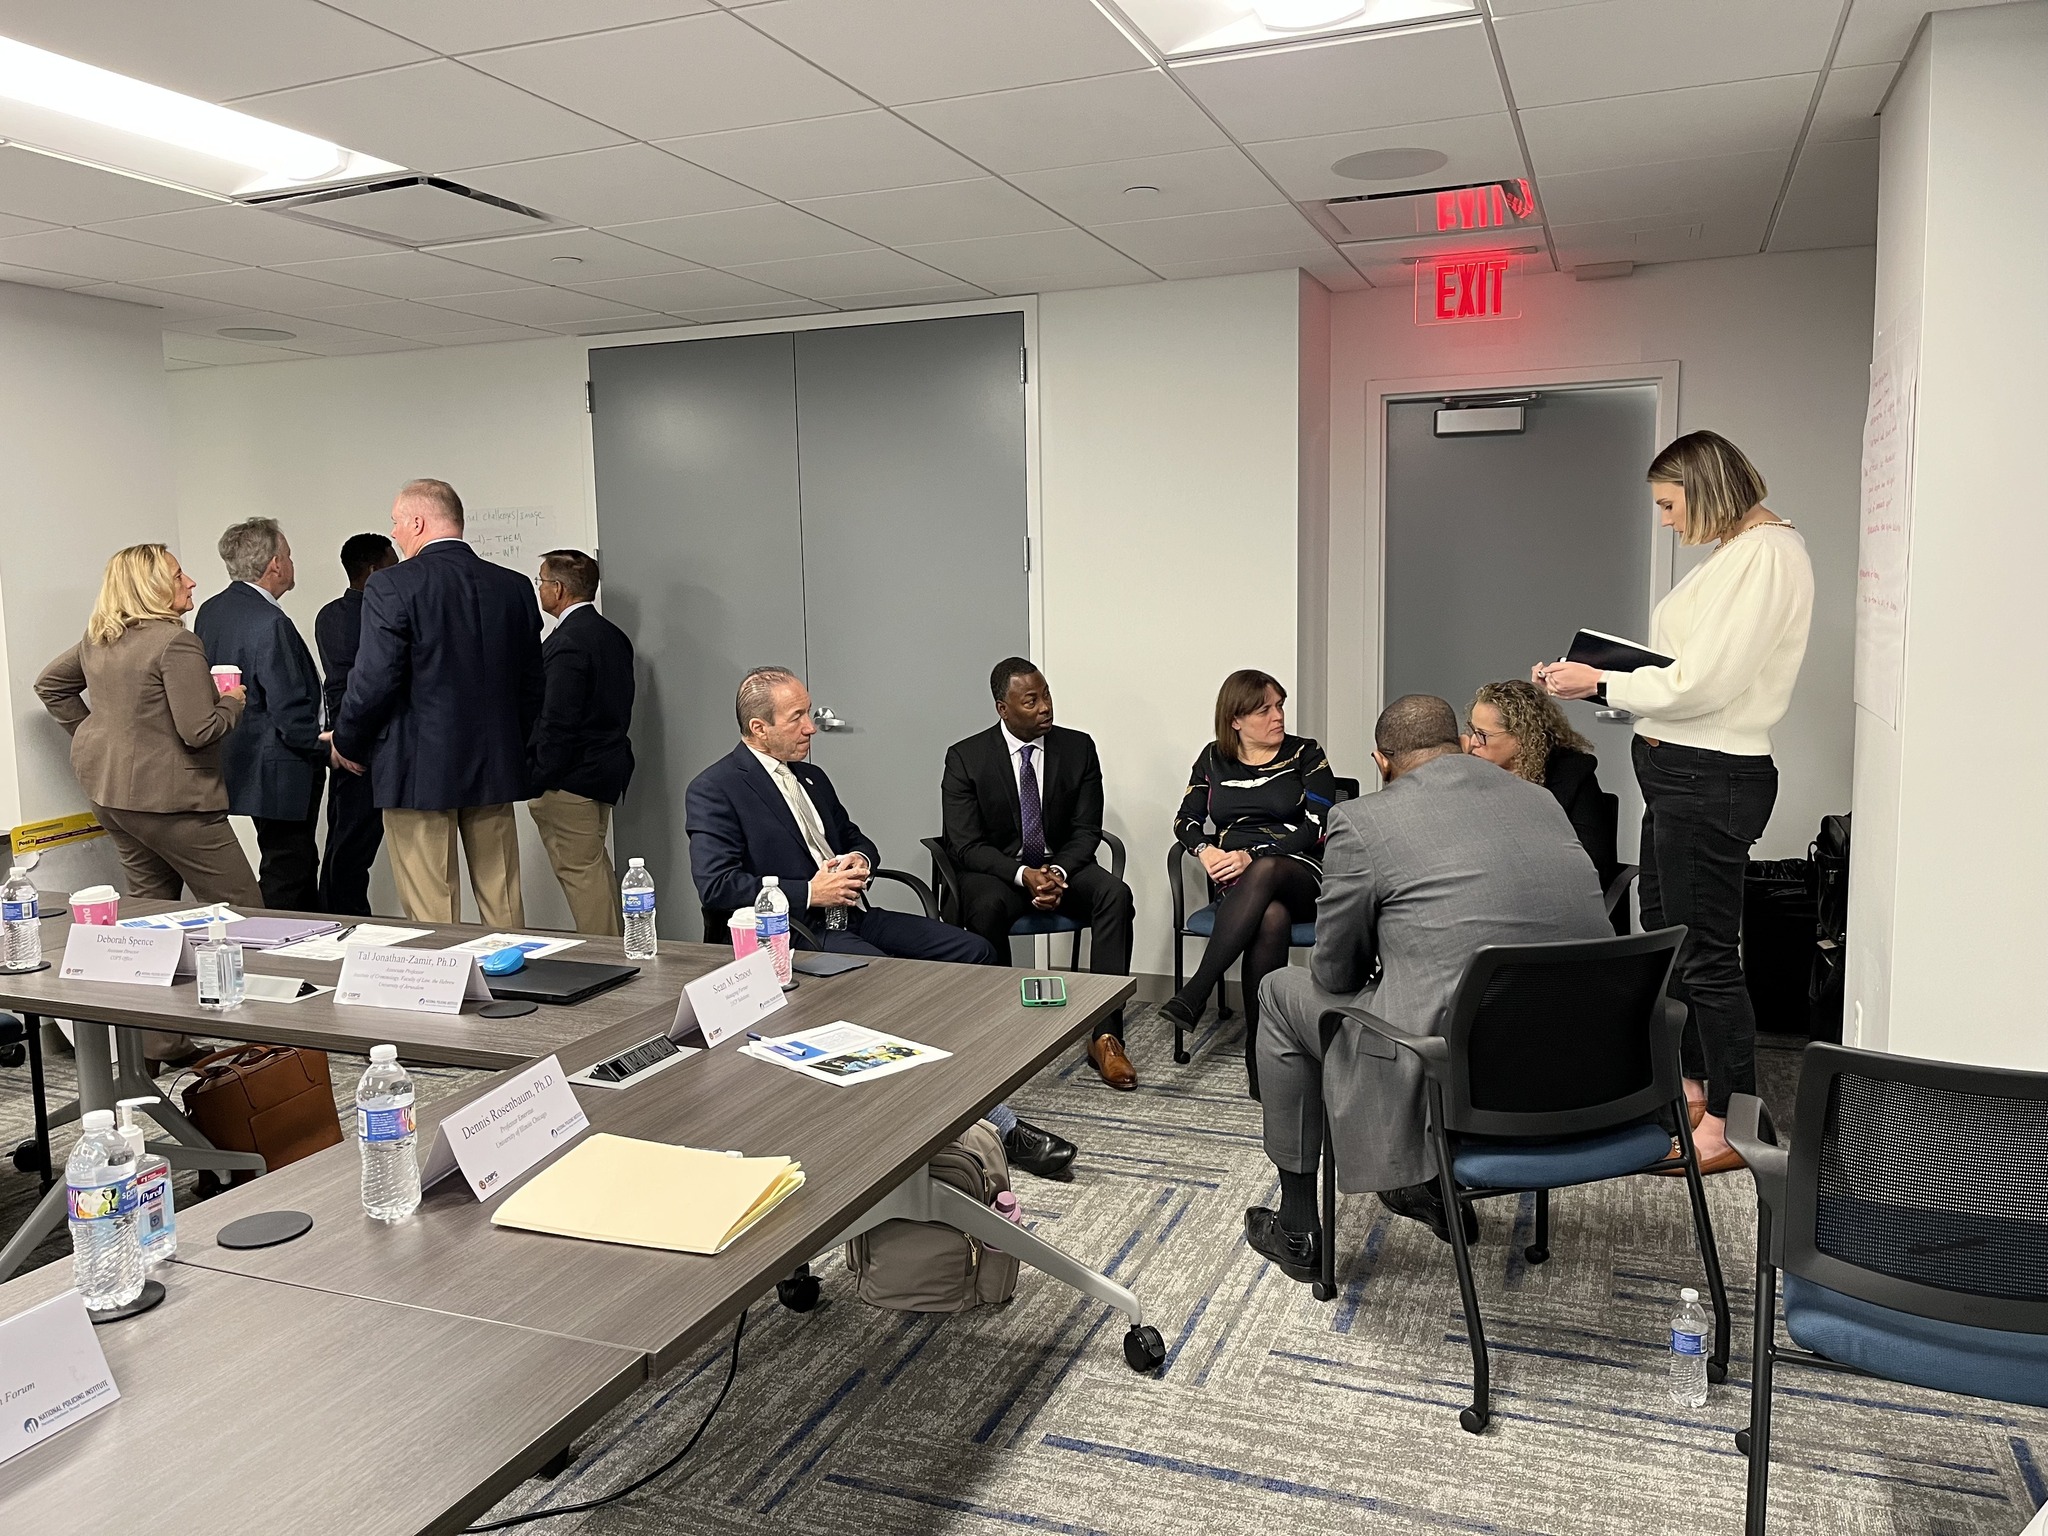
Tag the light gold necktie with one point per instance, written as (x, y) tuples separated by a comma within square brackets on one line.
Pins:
[(806, 814)]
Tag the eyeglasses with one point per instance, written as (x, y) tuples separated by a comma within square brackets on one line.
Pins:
[(544, 581), (1474, 737)]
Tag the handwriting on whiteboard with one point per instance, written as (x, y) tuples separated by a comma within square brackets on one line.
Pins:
[(1884, 543), (511, 536)]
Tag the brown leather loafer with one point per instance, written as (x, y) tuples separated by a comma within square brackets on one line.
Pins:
[(1107, 1052), (1727, 1160), (1695, 1111)]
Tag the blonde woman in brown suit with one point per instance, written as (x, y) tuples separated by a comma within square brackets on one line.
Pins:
[(147, 750)]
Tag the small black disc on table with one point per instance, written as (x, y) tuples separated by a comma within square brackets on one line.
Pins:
[(511, 1008), (152, 1293), (266, 1229)]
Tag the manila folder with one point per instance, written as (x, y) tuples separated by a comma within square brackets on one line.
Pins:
[(614, 1189)]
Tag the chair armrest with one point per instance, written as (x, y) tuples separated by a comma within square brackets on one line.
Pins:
[(1116, 853), (1176, 885), (1751, 1133), (798, 930), (1382, 1039), (923, 892), (947, 877)]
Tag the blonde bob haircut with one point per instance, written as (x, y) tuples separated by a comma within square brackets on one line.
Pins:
[(1242, 693), (140, 584), (1719, 482)]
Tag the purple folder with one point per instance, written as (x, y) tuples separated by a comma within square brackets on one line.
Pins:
[(270, 932)]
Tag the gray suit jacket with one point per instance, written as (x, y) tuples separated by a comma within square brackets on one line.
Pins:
[(1454, 856)]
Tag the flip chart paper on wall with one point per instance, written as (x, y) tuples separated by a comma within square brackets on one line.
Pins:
[(512, 536), (1885, 529)]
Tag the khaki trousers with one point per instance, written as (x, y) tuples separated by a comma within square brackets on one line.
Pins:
[(572, 829), (423, 863)]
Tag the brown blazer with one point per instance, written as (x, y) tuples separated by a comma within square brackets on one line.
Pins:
[(151, 740)]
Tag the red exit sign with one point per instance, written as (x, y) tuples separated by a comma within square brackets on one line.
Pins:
[(1455, 289), (1493, 206)]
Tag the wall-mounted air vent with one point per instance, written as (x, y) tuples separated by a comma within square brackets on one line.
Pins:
[(411, 210)]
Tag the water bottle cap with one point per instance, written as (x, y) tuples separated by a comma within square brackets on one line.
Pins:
[(774, 880), (1688, 1294), (97, 1120), (636, 863), (16, 872), (383, 1053)]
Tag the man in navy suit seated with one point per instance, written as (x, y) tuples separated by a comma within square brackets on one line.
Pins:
[(274, 762), (763, 810), (443, 696)]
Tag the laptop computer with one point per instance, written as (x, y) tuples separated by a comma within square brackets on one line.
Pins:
[(561, 982)]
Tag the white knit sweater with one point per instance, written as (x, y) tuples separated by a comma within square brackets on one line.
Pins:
[(1737, 625)]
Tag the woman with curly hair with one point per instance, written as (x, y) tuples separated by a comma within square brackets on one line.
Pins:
[(1518, 726)]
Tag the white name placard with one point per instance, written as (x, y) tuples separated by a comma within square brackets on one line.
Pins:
[(148, 957), (417, 980), (507, 1131), (52, 1373), (729, 1000)]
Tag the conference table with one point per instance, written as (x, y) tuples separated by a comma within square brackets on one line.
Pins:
[(863, 1147)]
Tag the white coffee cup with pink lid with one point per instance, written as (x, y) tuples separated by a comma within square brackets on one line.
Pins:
[(226, 677)]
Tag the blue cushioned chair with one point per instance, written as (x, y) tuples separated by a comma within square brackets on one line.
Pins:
[(1554, 1065), (1200, 923), (1909, 1217), (946, 879)]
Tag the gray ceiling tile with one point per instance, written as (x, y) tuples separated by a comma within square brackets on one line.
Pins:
[(242, 237), (773, 232), (1627, 47), (1078, 122), (579, 256), (102, 257), (1198, 181), (626, 184), (826, 156), (404, 275), (55, 191), (462, 26), (952, 210), (1739, 117)]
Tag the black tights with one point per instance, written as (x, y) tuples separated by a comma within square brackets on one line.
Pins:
[(1253, 921)]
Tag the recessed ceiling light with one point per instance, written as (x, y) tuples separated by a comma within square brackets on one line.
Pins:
[(255, 333), (1390, 164), (1141, 190), (80, 112), (1183, 29), (1305, 15)]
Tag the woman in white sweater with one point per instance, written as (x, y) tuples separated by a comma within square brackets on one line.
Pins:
[(1736, 626)]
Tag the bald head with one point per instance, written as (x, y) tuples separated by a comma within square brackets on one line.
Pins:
[(1413, 729), (424, 511)]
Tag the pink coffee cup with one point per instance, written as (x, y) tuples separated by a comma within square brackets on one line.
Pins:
[(96, 906), (746, 938), (225, 678)]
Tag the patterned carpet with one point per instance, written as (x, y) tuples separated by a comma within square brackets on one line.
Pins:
[(1273, 1412)]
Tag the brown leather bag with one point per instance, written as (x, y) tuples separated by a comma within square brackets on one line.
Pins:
[(273, 1100)]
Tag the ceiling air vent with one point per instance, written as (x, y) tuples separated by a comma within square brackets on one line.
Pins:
[(1432, 211), (410, 210)]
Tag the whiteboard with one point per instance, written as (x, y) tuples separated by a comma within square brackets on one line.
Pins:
[(1885, 534), (514, 537)]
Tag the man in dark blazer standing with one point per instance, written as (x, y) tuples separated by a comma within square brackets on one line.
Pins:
[(1022, 803), (762, 810), (580, 755), (355, 830), (440, 704), (274, 762)]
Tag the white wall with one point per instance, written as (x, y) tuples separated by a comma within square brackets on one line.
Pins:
[(84, 443), (1946, 891), (323, 446), (1170, 440), (1772, 352)]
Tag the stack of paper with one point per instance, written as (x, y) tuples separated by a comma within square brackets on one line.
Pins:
[(613, 1189), (843, 1053)]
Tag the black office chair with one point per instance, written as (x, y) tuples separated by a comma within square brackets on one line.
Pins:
[(1201, 923), (946, 877), (716, 918), (1554, 1064), (1910, 1219), (22, 1042), (1616, 893)]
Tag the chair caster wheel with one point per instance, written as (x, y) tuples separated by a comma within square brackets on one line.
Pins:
[(13, 1055), (799, 1293), (1322, 1292), (1473, 1420), (1144, 1350), (1742, 1441), (1181, 1056), (1717, 1372), (28, 1157), (1536, 1255)]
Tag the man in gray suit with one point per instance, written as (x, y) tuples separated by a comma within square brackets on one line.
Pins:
[(1452, 855)]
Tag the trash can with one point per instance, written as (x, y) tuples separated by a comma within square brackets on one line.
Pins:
[(1780, 918)]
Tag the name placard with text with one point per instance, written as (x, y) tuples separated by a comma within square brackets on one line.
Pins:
[(416, 980), (728, 1000), (499, 1136), (52, 1373), (145, 957)]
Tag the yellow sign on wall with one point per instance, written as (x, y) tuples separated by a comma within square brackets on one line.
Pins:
[(41, 836)]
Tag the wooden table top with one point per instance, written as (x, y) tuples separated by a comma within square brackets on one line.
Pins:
[(856, 1143), (262, 1410), (459, 1040)]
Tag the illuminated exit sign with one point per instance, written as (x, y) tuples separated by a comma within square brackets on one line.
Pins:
[(1454, 289), (1494, 205)]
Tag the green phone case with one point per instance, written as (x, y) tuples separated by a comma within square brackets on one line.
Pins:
[(1054, 984)]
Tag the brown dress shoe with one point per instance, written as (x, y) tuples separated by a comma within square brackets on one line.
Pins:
[(1695, 1111), (1107, 1052)]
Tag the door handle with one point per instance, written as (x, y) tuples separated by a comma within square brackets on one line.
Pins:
[(826, 720)]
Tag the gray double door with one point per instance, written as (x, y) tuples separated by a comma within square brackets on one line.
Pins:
[(1500, 549), (849, 502)]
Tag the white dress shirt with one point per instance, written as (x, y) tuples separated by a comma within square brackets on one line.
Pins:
[(1017, 776), (808, 822), (266, 592)]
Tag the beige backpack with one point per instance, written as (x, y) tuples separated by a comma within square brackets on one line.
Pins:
[(917, 1266)]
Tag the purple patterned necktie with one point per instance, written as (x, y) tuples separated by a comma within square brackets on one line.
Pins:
[(1032, 814)]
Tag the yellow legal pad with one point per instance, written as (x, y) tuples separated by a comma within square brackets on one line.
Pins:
[(613, 1189)]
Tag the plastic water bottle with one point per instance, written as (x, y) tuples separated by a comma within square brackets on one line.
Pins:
[(223, 981), (771, 922), (636, 905), (391, 1166), (21, 948), (106, 1255), (156, 1214), (1689, 1352)]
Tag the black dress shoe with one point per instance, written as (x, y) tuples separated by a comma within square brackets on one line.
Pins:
[(1295, 1254), (1423, 1203), (1040, 1152), (1177, 1013)]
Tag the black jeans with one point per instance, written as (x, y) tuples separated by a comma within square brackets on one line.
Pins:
[(1702, 811)]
